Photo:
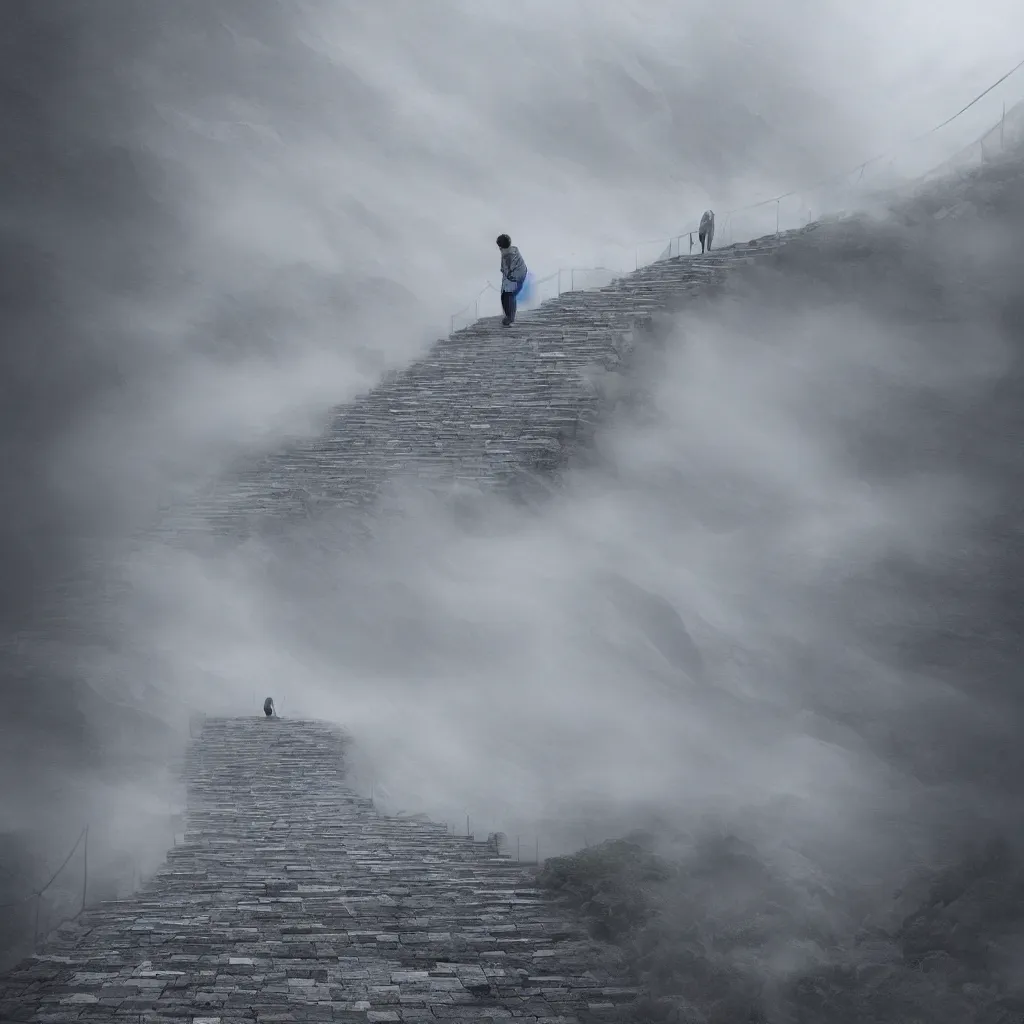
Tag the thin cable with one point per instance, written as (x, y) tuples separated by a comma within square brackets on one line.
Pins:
[(860, 167), (976, 98), (831, 178), (39, 892)]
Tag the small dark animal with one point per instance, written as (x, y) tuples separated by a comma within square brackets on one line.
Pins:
[(707, 230)]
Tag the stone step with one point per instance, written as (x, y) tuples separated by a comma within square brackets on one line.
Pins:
[(291, 898), (482, 404)]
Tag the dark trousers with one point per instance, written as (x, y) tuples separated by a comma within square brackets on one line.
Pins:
[(508, 302), (703, 236)]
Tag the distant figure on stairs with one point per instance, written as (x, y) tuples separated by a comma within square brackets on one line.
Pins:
[(707, 229), (268, 707), (513, 277)]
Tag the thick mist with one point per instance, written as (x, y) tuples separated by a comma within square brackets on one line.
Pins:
[(222, 218), (739, 606)]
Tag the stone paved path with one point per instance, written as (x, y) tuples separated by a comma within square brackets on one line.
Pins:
[(291, 899), (484, 405)]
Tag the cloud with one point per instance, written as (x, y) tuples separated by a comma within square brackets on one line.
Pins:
[(223, 218)]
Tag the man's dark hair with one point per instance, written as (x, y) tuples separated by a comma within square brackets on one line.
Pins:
[(504, 241)]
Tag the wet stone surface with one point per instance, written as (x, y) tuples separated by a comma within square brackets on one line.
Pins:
[(292, 899), (481, 408)]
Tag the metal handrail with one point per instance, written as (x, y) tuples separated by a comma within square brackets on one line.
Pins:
[(805, 190)]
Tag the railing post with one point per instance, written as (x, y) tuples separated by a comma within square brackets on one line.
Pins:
[(85, 866), (848, 183)]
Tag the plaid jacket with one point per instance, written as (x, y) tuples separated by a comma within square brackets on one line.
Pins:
[(513, 266)]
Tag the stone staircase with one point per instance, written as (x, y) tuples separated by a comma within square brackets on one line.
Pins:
[(484, 406), (292, 899)]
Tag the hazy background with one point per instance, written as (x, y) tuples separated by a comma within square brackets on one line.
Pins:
[(219, 218)]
